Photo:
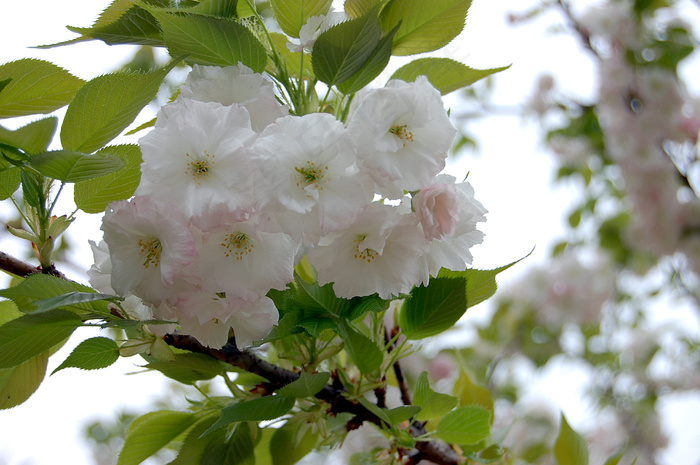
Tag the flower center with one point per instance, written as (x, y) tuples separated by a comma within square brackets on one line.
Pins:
[(367, 254), (200, 169), (151, 248), (310, 175), (402, 132), (237, 244)]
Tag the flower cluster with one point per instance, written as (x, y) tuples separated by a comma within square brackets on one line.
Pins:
[(235, 191)]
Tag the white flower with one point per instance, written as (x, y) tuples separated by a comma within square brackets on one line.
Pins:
[(313, 28), (448, 214), (100, 273), (235, 84), (308, 163), (244, 262), (150, 245), (251, 320), (197, 156), (403, 134), (376, 254)]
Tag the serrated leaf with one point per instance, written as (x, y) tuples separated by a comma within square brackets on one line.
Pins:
[(481, 284), (424, 26), (315, 326), (472, 394), (321, 298), (42, 286), (9, 180), (127, 24), (92, 354), (444, 74), (194, 446), (360, 306), (211, 41), (67, 166), (216, 8), (306, 386), (36, 86), (356, 8), (8, 311), (33, 138), (4, 83), (465, 425), (188, 368), (379, 412), (93, 195), (29, 335), (260, 409), (434, 404), (341, 51), (364, 352), (433, 309), (151, 432), (18, 383), (402, 413), (372, 68), (287, 448), (69, 299), (570, 448), (106, 105), (238, 449), (32, 188), (291, 15)]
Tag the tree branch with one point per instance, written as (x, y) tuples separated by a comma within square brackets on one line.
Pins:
[(23, 269)]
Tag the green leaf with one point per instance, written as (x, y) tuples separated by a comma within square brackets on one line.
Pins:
[(433, 309), (372, 68), (288, 445), (93, 195), (18, 383), (291, 60), (216, 8), (364, 352), (360, 306), (321, 298), (341, 51), (615, 458), (70, 299), (434, 404), (465, 425), (194, 446), (470, 393), (315, 326), (490, 454), (570, 448), (124, 22), (357, 8), (4, 83), (9, 180), (67, 166), (424, 26), (239, 449), (92, 354), (151, 432), (403, 413), (379, 412), (259, 409), (32, 188), (188, 368), (306, 386), (40, 286), (444, 74), (29, 335), (211, 41), (291, 15), (33, 138), (8, 311), (36, 86), (481, 284), (106, 105)]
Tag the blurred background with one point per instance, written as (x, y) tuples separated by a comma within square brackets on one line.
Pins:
[(585, 149)]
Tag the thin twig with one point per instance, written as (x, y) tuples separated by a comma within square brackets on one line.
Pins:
[(23, 269)]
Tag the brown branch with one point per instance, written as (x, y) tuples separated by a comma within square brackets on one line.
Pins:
[(398, 372), (23, 269), (435, 451)]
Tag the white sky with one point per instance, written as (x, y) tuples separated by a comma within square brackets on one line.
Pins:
[(510, 178)]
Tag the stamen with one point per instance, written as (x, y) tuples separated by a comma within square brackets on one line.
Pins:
[(310, 175), (152, 249), (237, 244), (367, 254), (200, 169), (402, 133)]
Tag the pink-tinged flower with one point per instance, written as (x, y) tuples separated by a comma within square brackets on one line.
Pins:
[(308, 164), (235, 84), (376, 254), (100, 273), (251, 320), (197, 156), (448, 214), (402, 133), (150, 245), (243, 261)]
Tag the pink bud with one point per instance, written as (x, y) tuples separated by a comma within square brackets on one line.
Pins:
[(437, 209)]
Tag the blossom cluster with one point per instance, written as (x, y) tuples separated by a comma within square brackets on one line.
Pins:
[(235, 191)]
